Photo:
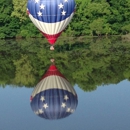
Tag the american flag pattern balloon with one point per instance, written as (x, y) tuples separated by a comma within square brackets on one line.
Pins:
[(53, 97), (51, 16)]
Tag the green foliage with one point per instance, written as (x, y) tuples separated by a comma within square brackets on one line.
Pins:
[(97, 26), (126, 29), (19, 9), (23, 73), (8, 25)]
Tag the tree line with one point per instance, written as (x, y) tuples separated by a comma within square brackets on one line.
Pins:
[(92, 18)]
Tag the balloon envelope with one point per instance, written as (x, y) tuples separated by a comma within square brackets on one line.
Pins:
[(51, 16), (53, 97)]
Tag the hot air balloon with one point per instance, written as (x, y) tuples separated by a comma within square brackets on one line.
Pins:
[(51, 16), (53, 97)]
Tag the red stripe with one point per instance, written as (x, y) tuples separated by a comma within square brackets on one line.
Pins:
[(51, 38), (52, 71)]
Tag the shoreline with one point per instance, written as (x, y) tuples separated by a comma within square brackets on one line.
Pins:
[(123, 37)]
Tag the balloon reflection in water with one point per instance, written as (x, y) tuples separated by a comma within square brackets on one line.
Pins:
[(53, 97)]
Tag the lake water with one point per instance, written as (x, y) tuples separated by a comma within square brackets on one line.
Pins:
[(105, 108), (101, 82)]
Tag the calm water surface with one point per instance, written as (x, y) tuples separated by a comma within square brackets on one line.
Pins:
[(105, 108), (98, 69)]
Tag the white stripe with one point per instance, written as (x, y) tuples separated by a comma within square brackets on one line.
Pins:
[(51, 28), (51, 82)]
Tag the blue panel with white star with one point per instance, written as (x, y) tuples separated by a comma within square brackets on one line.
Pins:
[(54, 103), (51, 11)]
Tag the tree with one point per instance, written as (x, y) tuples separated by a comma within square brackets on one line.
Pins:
[(97, 26), (126, 29), (19, 9), (8, 25), (23, 72)]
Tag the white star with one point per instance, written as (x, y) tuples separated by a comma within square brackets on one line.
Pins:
[(40, 111), (63, 12), (66, 97), (72, 110), (61, 6), (39, 13), (42, 6), (68, 110), (42, 98), (36, 1), (36, 112), (63, 105), (45, 105), (65, 0)]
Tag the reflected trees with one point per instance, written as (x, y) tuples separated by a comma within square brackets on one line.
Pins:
[(86, 62)]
